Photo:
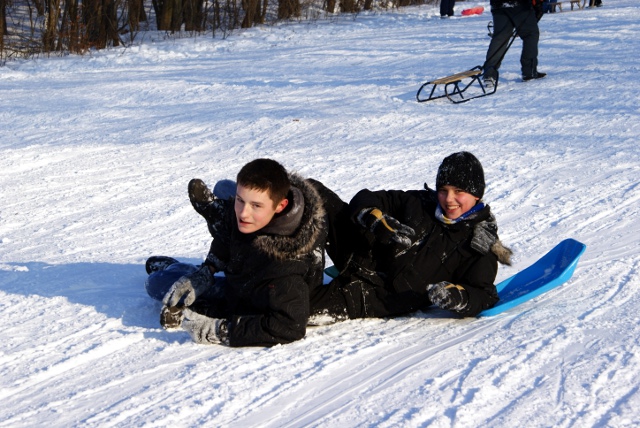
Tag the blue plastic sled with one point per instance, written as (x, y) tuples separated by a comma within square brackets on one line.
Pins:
[(550, 271)]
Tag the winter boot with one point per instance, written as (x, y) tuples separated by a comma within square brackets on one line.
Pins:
[(158, 263), (200, 195), (536, 75)]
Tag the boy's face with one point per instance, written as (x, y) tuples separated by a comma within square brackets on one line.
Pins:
[(454, 201), (255, 209)]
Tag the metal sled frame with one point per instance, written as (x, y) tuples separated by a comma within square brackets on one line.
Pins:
[(456, 85)]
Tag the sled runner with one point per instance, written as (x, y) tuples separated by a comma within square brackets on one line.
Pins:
[(455, 87)]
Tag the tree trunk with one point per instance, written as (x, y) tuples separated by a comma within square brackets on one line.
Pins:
[(176, 16), (249, 7), (331, 6), (40, 7), (3, 22), (69, 28), (136, 14), (164, 14), (50, 34), (111, 22), (349, 6), (288, 9), (101, 20), (263, 13), (193, 15)]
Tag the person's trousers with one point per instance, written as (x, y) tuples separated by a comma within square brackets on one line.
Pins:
[(446, 7), (505, 21), (160, 282)]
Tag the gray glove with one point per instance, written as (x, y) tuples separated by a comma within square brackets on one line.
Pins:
[(189, 287), (204, 330), (485, 234), (385, 228), (446, 295)]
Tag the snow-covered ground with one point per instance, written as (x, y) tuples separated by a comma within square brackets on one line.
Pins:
[(96, 153)]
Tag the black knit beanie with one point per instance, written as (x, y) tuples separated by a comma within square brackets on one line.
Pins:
[(464, 171)]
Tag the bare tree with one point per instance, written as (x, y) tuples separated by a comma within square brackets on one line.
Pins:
[(101, 20), (288, 9), (136, 14), (3, 20), (349, 6), (50, 34), (252, 13), (168, 14), (193, 15)]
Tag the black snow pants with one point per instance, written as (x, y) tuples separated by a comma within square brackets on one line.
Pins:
[(505, 21)]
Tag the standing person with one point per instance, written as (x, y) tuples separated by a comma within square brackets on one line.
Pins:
[(446, 8), (521, 17), (411, 249), (268, 240)]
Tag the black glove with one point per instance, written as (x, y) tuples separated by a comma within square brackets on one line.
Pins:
[(204, 330), (385, 228), (189, 287), (171, 317), (448, 296)]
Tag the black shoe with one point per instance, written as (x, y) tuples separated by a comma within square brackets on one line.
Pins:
[(158, 263), (171, 317), (537, 75), (199, 195)]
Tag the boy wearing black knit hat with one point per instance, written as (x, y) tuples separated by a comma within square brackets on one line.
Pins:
[(408, 250)]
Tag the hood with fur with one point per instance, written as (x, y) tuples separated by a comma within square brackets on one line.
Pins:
[(307, 212)]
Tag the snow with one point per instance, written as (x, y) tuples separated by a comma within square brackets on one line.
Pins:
[(97, 151)]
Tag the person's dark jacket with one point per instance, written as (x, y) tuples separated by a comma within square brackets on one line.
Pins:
[(499, 4), (439, 252), (269, 273)]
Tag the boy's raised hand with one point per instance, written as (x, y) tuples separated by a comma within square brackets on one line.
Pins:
[(385, 228), (189, 287)]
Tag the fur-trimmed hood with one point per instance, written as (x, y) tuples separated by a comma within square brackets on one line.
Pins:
[(307, 211)]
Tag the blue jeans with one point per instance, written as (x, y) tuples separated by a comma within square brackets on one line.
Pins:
[(159, 283)]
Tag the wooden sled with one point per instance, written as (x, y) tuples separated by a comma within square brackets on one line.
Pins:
[(455, 87)]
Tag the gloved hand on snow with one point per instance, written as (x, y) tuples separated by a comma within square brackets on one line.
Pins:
[(171, 317), (385, 228), (204, 330), (189, 287), (446, 295)]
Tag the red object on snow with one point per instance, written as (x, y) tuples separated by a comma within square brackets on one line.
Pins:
[(473, 11)]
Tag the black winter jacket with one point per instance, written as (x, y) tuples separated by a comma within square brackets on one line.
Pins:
[(439, 252), (269, 273), (499, 4)]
